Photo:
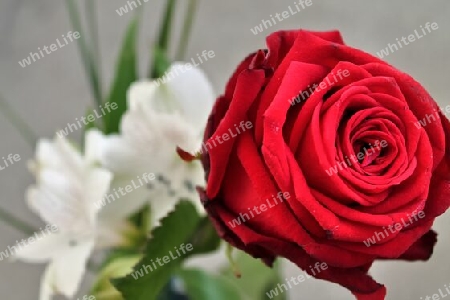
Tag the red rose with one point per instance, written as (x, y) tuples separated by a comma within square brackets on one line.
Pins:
[(316, 153)]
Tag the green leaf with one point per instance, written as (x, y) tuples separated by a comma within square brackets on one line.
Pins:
[(92, 124), (16, 223), (92, 26), (141, 218), (161, 63), (176, 229), (257, 278), (166, 25), (119, 264), (162, 44), (200, 285), (187, 28), (118, 253), (141, 221), (126, 73), (86, 54), (205, 239), (19, 123)]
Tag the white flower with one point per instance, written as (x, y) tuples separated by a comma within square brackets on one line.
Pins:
[(160, 117), (67, 186)]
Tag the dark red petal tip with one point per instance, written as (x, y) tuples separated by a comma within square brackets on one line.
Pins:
[(186, 156)]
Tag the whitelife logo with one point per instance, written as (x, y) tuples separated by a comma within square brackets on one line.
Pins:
[(299, 6), (131, 5), (49, 49), (442, 294), (86, 297), (180, 69), (429, 118), (243, 217), (327, 83), (381, 235), (405, 41), (160, 262), (9, 161), (108, 107), (281, 287), (115, 194), (366, 152), (220, 139), (12, 250)]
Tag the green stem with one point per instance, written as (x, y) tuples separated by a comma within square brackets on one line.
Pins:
[(164, 37), (91, 12), (187, 29), (16, 223), (165, 31), (22, 127), (86, 55), (233, 264)]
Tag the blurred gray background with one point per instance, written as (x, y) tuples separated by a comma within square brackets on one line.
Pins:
[(53, 91)]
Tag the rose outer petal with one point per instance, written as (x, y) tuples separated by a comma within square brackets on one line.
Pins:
[(355, 279), (247, 88)]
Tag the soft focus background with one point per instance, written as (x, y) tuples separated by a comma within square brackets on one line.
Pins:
[(54, 91)]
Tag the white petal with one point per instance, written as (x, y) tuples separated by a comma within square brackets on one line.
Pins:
[(160, 118), (59, 201), (113, 233), (161, 206), (188, 92), (191, 90), (60, 155), (70, 267), (117, 152), (117, 206), (98, 183), (42, 250), (67, 187), (47, 287), (143, 92), (94, 146), (184, 178)]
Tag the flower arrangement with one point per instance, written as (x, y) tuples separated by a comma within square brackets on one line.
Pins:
[(316, 152)]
